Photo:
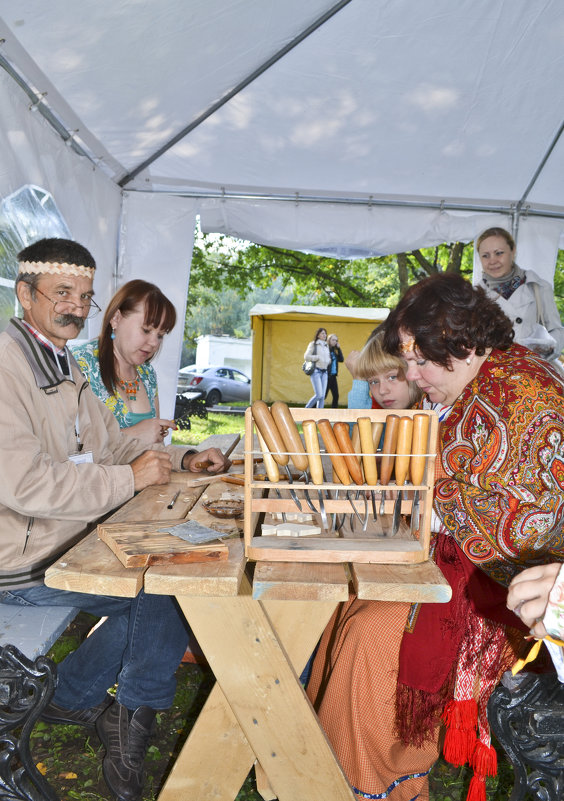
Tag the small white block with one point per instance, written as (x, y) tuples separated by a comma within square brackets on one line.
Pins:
[(267, 530)]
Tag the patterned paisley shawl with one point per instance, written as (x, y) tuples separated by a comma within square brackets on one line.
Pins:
[(503, 455)]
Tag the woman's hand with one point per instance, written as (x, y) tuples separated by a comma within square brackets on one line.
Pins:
[(528, 595), (152, 431)]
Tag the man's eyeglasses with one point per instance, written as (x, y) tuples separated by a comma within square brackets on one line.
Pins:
[(67, 306)]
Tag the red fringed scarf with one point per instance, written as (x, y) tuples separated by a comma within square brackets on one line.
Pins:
[(453, 649)]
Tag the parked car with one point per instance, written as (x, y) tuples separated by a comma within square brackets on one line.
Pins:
[(184, 377), (217, 384)]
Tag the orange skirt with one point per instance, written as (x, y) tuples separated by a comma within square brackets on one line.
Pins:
[(353, 689)]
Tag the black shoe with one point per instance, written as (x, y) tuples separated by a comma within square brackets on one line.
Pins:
[(79, 717), (126, 741)]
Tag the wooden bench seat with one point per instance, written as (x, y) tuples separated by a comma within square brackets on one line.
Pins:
[(27, 683), (33, 629)]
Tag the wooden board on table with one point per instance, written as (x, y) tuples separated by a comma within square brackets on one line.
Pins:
[(423, 583), (209, 579), (143, 545), (138, 543), (331, 549), (285, 581), (90, 566)]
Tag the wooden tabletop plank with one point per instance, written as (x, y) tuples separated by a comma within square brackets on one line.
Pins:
[(416, 583), (289, 581), (200, 579), (90, 566)]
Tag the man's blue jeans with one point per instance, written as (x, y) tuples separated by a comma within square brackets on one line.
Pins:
[(319, 382), (139, 646)]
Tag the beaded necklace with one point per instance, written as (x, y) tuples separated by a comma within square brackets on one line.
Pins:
[(130, 388)]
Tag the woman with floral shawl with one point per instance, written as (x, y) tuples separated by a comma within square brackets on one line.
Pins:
[(388, 675)]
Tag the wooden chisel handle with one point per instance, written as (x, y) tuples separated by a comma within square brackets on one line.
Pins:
[(333, 451), (341, 431), (355, 439), (265, 424), (419, 446), (269, 464), (314, 455), (389, 448), (234, 479), (290, 435), (367, 448), (377, 429), (403, 449)]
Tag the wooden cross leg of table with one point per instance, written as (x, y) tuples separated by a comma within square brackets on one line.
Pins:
[(258, 709)]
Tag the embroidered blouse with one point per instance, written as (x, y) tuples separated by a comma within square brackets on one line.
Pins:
[(87, 357)]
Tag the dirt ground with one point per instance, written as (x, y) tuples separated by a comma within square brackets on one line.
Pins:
[(71, 759)]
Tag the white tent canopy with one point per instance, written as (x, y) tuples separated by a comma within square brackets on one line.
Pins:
[(351, 127)]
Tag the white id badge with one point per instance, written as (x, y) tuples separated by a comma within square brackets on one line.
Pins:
[(83, 457)]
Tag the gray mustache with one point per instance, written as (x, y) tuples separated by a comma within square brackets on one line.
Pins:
[(70, 319)]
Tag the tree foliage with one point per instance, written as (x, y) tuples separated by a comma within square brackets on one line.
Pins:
[(229, 276), (221, 263)]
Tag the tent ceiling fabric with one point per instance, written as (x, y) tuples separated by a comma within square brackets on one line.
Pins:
[(411, 100)]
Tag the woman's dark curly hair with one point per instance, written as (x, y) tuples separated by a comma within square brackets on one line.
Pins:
[(447, 317)]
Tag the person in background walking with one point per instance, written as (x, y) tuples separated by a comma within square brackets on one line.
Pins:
[(318, 353), (336, 355)]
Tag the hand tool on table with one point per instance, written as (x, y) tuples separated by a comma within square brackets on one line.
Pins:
[(311, 440), (288, 430), (352, 461), (265, 424), (173, 500), (364, 427), (239, 478), (234, 478), (388, 454), (417, 467), (401, 466)]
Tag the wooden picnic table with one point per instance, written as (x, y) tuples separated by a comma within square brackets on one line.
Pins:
[(257, 625)]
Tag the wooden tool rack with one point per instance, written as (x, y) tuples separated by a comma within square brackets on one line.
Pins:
[(373, 545)]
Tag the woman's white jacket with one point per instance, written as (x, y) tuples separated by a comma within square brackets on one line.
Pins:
[(521, 308), (322, 357)]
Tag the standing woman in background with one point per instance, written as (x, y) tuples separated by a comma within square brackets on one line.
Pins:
[(524, 297), (336, 356), (318, 353), (117, 364)]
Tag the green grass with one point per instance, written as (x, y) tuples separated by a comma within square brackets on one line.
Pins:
[(214, 423)]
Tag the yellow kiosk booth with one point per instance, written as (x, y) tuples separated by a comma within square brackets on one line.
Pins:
[(281, 335)]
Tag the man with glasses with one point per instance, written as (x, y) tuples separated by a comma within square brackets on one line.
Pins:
[(65, 463)]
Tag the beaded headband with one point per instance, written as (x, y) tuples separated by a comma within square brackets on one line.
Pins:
[(407, 346), (55, 268)]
